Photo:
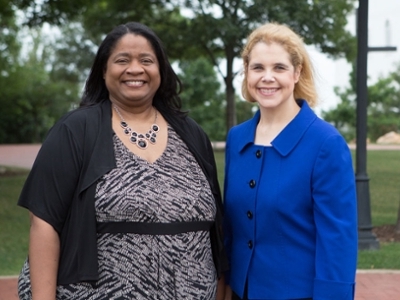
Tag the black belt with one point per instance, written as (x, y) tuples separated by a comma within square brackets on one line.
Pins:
[(153, 228)]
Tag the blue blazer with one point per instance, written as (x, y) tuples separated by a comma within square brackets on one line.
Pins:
[(290, 211)]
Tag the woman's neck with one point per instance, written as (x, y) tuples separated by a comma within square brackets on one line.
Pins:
[(273, 121)]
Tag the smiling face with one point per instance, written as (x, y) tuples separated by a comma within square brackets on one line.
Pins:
[(270, 75), (132, 76)]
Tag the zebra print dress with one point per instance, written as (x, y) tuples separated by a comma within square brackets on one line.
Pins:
[(137, 266)]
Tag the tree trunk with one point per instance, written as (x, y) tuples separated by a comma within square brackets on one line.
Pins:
[(230, 106), (230, 93)]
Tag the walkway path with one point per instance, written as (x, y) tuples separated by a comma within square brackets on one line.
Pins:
[(371, 284), (18, 155)]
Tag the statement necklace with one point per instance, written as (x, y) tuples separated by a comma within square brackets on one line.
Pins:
[(140, 139)]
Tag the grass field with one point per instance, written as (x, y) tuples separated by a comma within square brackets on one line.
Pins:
[(14, 226), (384, 174), (383, 170)]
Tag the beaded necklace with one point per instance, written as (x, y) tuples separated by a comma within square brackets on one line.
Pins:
[(139, 139)]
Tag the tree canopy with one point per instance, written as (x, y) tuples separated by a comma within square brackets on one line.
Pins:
[(383, 107), (32, 101), (34, 90), (215, 29), (202, 96)]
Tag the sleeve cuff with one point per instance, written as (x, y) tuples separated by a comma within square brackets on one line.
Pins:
[(333, 290)]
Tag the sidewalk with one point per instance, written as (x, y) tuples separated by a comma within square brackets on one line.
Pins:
[(378, 285), (21, 156), (371, 285)]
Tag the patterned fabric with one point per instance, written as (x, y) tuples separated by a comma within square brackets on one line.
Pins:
[(132, 266)]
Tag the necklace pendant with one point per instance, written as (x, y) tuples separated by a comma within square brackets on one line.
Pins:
[(141, 140), (127, 130), (141, 143)]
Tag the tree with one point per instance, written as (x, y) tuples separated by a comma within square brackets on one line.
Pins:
[(43, 82), (202, 96), (34, 94), (72, 54), (10, 48), (215, 29), (343, 117), (383, 107), (221, 27), (9, 44)]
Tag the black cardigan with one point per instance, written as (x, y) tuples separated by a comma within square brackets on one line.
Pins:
[(61, 186)]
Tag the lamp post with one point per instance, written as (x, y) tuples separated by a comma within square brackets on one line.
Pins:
[(366, 239)]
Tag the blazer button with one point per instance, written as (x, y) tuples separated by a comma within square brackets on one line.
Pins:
[(252, 183), (250, 215), (258, 153), (250, 244)]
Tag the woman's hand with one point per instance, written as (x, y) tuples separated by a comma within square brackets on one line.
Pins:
[(44, 251)]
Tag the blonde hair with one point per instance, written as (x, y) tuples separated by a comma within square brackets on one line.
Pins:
[(294, 45)]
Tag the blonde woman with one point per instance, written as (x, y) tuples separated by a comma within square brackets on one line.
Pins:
[(290, 200)]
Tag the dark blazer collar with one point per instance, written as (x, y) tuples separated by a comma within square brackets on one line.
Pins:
[(287, 139)]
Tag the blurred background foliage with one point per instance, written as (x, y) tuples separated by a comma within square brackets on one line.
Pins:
[(47, 47)]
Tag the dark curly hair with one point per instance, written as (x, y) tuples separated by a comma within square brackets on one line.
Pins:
[(166, 98)]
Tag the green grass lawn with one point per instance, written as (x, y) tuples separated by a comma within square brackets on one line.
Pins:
[(387, 257), (383, 170), (14, 226)]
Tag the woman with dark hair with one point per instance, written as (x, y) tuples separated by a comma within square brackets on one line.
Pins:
[(123, 197)]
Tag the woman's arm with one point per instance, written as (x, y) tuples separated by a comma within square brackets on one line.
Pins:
[(221, 289), (335, 217), (44, 251), (228, 293)]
